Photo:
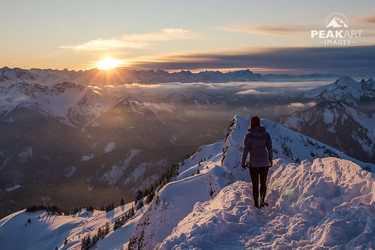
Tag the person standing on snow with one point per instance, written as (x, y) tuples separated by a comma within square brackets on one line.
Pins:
[(258, 144)]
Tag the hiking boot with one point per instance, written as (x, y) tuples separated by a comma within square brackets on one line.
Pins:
[(256, 204)]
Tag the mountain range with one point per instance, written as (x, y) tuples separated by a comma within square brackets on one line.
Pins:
[(124, 75), (98, 141), (71, 142), (95, 142), (342, 116)]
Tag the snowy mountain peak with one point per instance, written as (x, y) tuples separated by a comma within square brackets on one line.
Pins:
[(72, 103), (339, 117), (186, 211), (345, 81), (346, 90), (288, 145), (15, 74)]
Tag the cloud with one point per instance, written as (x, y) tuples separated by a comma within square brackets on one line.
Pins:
[(132, 41), (104, 44), (266, 29), (300, 105), (161, 36), (163, 107), (357, 60), (250, 92)]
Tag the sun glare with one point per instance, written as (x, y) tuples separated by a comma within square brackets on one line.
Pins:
[(108, 63)]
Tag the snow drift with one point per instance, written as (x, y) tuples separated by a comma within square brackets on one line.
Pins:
[(325, 203), (214, 210)]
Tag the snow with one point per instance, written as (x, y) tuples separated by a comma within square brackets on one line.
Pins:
[(68, 102), (250, 92), (138, 172), (328, 116), (204, 153), (336, 117), (158, 107), (117, 171), (213, 209), (69, 171), (115, 240), (109, 147), (344, 89), (87, 157), (50, 231), (44, 231), (316, 202), (13, 188), (300, 105), (139, 179), (310, 206), (367, 122), (176, 200), (60, 104), (25, 155), (288, 145)]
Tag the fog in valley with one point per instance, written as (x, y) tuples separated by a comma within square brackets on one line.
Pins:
[(143, 130)]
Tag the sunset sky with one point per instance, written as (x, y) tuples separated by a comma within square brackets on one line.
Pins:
[(265, 36)]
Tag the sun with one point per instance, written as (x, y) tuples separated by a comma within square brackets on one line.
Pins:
[(108, 63)]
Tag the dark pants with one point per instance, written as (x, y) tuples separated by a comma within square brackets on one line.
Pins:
[(256, 175)]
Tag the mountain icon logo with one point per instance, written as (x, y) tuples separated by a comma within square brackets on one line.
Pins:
[(336, 32), (337, 22)]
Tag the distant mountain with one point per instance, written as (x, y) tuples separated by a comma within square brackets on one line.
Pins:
[(315, 201), (61, 130), (345, 90), (65, 101), (48, 76), (123, 75), (102, 142), (299, 77), (340, 117)]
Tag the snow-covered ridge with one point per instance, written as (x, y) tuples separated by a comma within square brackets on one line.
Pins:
[(41, 230), (324, 203), (345, 89), (288, 144), (314, 202), (167, 223)]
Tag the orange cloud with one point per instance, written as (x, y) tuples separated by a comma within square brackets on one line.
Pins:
[(104, 44), (266, 29)]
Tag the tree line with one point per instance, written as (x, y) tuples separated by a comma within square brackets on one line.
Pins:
[(89, 241), (145, 196)]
